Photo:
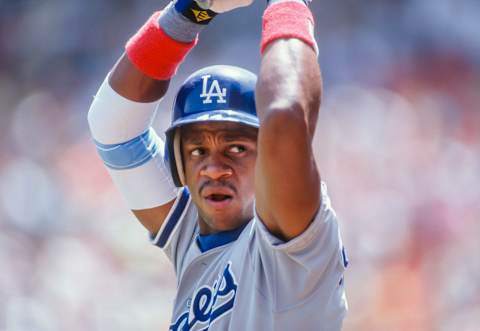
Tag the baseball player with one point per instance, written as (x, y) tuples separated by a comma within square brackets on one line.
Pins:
[(233, 195)]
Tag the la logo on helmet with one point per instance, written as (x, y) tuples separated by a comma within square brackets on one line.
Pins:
[(213, 92)]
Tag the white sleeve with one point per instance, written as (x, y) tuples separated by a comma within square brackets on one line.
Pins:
[(114, 119), (311, 263), (178, 230), (130, 148)]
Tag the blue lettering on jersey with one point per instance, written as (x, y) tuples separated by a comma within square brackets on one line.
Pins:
[(209, 303)]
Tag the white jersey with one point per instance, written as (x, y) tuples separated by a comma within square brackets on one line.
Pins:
[(256, 281)]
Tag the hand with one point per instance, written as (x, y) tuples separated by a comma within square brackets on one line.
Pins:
[(221, 6)]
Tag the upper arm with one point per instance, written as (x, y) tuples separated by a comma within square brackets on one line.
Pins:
[(131, 83), (288, 99), (119, 120)]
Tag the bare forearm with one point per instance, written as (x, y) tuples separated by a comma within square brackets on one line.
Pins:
[(154, 53), (134, 85), (290, 79), (288, 99)]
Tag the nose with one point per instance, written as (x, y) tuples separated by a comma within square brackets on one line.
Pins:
[(215, 168)]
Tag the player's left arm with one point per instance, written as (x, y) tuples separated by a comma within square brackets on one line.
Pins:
[(289, 88)]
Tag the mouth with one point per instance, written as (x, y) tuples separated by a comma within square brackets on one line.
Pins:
[(218, 201), (218, 198)]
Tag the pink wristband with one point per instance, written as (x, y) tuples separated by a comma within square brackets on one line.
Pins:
[(155, 53), (287, 20)]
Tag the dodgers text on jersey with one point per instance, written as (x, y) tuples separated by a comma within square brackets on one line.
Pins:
[(209, 303)]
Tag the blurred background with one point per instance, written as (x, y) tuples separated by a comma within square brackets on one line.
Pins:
[(398, 144)]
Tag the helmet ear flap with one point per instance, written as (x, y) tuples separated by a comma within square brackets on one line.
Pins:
[(177, 150), (173, 156)]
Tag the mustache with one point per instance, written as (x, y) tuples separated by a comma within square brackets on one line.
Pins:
[(216, 184)]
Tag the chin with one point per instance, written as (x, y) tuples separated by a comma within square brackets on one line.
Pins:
[(218, 222), (225, 223), (224, 215)]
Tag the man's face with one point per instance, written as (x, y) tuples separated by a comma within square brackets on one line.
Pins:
[(219, 163)]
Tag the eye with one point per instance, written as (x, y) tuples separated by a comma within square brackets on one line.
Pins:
[(197, 152), (236, 149)]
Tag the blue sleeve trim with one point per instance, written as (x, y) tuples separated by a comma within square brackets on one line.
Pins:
[(174, 218), (130, 154)]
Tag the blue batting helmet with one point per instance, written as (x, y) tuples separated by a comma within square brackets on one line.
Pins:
[(213, 94)]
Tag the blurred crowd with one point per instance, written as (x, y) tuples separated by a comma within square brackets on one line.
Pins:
[(398, 143)]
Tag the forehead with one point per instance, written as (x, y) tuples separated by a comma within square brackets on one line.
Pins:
[(227, 130)]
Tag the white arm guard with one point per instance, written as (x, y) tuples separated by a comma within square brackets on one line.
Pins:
[(130, 148)]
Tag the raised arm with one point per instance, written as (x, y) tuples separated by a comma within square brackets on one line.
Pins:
[(131, 83), (122, 111), (125, 105), (288, 100)]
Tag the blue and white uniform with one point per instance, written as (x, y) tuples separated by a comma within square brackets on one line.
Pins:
[(246, 279), (250, 280)]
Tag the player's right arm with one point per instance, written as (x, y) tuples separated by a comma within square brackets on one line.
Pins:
[(133, 84), (122, 111), (119, 119)]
